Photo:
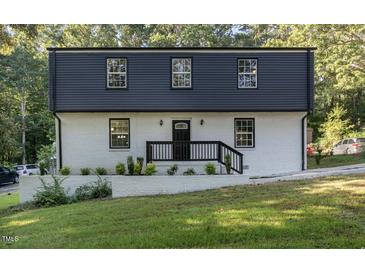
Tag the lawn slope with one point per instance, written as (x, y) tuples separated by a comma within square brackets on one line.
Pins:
[(7, 200), (336, 160), (321, 213)]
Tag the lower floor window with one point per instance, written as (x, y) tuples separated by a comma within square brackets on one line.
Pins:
[(244, 132), (119, 133)]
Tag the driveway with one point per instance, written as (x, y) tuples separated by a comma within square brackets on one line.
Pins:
[(313, 173), (9, 188)]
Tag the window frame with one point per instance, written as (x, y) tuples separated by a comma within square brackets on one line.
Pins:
[(110, 134), (172, 72), (253, 132), (107, 73), (238, 72)]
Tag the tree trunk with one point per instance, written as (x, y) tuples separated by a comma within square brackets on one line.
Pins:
[(22, 108)]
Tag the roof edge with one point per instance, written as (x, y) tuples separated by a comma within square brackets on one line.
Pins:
[(176, 48)]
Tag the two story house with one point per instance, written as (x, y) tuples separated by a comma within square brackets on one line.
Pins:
[(182, 105)]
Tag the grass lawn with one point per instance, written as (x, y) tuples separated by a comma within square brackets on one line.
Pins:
[(335, 160), (321, 213), (8, 200)]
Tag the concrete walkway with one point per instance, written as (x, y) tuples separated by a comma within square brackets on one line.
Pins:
[(313, 173)]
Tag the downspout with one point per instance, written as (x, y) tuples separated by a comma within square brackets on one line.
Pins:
[(303, 148), (59, 139), (309, 108)]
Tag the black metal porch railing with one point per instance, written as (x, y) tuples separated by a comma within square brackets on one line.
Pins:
[(193, 151)]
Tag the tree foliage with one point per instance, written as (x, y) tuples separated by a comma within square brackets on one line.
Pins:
[(335, 127), (339, 69)]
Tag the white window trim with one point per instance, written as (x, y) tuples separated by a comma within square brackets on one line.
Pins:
[(181, 72), (111, 133), (245, 132), (116, 73), (246, 73)]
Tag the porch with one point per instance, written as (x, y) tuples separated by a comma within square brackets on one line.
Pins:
[(194, 151)]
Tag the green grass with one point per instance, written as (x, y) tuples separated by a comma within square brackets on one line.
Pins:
[(335, 160), (8, 200), (320, 213)]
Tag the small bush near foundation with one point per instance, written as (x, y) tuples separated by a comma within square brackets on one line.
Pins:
[(172, 169), (150, 169), (51, 194), (65, 171), (189, 171), (85, 171), (228, 163), (137, 168), (210, 169), (100, 171), (130, 165), (101, 188), (140, 160), (120, 169)]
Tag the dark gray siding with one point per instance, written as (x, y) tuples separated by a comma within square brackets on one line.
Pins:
[(282, 82), (51, 80)]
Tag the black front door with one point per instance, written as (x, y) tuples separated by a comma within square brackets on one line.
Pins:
[(181, 136)]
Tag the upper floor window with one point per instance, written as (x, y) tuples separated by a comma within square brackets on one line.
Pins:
[(181, 73), (247, 73), (116, 73), (244, 130)]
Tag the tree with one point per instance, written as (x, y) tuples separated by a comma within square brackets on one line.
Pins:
[(334, 128), (9, 144), (24, 76), (339, 67), (8, 43)]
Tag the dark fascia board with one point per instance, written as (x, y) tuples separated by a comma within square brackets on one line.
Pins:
[(178, 48), (181, 110)]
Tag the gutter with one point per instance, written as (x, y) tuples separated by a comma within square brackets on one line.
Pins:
[(303, 148), (59, 139)]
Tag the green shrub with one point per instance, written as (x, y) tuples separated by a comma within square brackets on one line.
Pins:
[(172, 169), (318, 157), (101, 188), (189, 171), (65, 171), (140, 160), (85, 171), (120, 169), (228, 163), (51, 194), (150, 169), (100, 171), (83, 193), (210, 169), (42, 168), (137, 168), (130, 165)]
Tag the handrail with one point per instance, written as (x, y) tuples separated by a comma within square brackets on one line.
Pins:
[(193, 151)]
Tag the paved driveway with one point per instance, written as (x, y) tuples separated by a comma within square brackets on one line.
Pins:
[(9, 188), (313, 173)]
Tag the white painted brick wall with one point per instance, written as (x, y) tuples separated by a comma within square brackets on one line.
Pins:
[(85, 138)]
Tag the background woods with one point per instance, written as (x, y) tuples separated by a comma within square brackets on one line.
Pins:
[(27, 127)]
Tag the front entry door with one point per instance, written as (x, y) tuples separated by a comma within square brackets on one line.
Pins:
[(181, 133)]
